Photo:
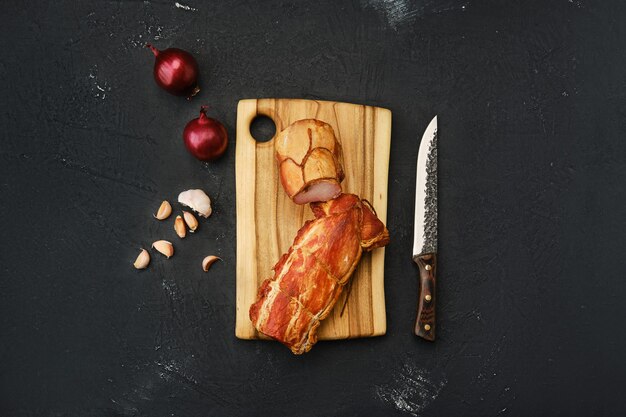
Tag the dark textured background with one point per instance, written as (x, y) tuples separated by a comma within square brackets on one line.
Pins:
[(531, 98)]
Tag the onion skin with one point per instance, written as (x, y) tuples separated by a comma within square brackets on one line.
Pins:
[(205, 138), (176, 71)]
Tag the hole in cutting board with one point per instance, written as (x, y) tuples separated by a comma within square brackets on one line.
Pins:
[(262, 128)]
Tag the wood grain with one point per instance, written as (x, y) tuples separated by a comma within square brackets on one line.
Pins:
[(267, 220)]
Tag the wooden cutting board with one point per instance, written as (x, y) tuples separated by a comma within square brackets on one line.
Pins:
[(267, 220)]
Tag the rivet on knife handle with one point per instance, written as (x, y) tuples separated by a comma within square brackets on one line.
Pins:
[(425, 322)]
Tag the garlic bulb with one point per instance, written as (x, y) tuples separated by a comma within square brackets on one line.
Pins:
[(197, 200)]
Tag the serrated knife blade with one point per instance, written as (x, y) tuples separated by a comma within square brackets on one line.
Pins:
[(425, 230)]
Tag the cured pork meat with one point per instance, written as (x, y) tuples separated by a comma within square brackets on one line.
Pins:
[(309, 278), (310, 161)]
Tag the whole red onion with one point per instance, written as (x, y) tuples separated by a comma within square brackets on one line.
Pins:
[(176, 71), (205, 138)]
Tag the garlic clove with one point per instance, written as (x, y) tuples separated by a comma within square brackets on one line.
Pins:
[(164, 210), (179, 227), (208, 261), (197, 200), (142, 260), (164, 247), (190, 219)]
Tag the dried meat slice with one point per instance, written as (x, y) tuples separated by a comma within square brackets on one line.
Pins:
[(284, 318), (310, 161), (309, 278), (308, 282)]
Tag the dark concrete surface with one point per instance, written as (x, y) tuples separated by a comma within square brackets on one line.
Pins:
[(531, 98)]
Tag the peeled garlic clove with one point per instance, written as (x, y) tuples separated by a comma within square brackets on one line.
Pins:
[(179, 227), (165, 247), (164, 210), (208, 261), (191, 221), (142, 260), (197, 200)]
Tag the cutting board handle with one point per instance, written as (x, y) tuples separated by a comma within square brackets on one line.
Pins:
[(263, 128)]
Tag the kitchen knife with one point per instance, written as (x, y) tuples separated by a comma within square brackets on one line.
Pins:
[(425, 231)]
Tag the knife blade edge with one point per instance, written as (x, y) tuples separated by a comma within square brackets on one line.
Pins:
[(425, 222)]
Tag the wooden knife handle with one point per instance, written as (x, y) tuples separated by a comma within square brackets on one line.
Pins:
[(425, 323)]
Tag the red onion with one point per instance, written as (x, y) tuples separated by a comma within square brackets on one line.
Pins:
[(176, 71), (205, 138)]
